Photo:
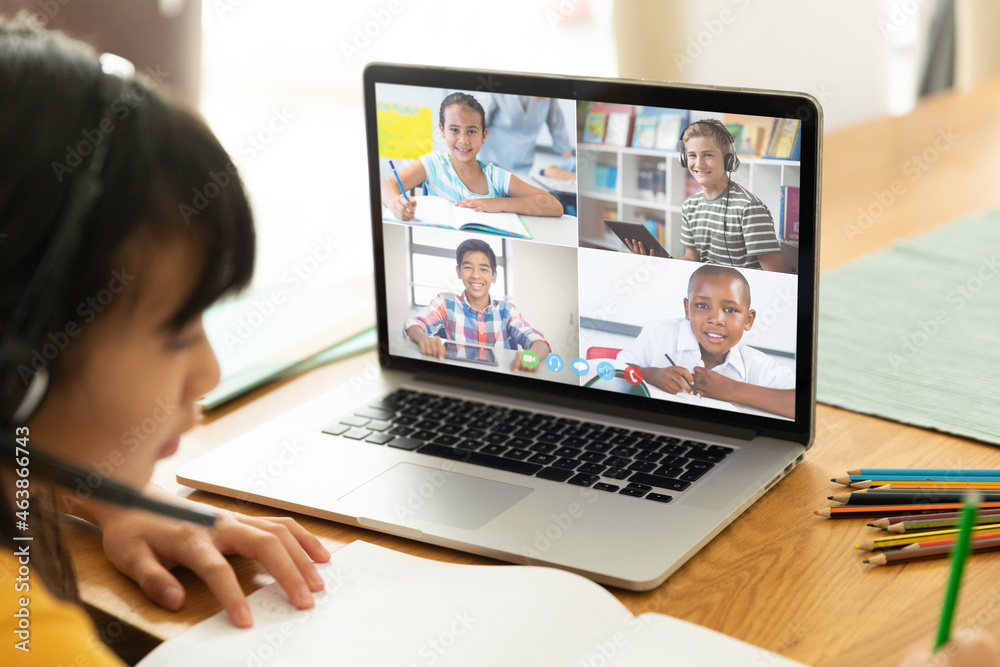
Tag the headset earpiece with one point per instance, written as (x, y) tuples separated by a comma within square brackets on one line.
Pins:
[(33, 316)]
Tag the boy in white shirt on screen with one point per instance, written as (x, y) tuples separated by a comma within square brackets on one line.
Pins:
[(704, 352)]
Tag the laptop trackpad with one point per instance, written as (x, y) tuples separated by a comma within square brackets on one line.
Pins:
[(408, 492)]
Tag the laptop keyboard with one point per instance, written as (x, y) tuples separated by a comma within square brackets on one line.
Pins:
[(607, 458)]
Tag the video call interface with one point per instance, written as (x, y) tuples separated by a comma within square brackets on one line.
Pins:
[(631, 249)]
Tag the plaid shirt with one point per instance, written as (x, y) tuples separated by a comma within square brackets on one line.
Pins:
[(448, 316)]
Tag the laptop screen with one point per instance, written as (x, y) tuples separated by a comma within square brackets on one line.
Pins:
[(654, 243)]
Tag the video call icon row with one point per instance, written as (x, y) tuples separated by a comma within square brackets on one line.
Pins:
[(580, 366)]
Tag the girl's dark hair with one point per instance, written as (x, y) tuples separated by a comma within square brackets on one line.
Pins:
[(166, 177), (462, 100)]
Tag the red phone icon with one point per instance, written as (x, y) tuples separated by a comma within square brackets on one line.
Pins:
[(633, 375)]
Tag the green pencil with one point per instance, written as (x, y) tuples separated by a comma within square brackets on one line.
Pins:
[(958, 558)]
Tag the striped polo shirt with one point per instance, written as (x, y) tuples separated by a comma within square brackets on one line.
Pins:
[(748, 230), (441, 179)]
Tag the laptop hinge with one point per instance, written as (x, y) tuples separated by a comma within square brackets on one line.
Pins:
[(549, 398)]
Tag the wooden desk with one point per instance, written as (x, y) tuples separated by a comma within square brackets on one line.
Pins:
[(778, 577)]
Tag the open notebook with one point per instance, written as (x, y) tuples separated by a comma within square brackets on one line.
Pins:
[(382, 607), (439, 212)]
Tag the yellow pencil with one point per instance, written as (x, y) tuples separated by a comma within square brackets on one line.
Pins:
[(879, 543)]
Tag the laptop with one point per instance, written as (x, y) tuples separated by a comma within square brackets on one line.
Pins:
[(558, 451)]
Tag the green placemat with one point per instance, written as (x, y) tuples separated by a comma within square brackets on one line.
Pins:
[(912, 333)]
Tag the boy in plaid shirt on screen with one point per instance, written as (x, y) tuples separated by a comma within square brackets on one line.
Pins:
[(473, 317)]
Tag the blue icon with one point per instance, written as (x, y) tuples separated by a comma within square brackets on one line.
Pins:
[(554, 362), (580, 366), (606, 370)]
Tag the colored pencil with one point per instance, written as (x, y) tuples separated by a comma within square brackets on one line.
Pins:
[(957, 472), (946, 541), (965, 486), (888, 479), (861, 511), (959, 556), (905, 497), (888, 521), (398, 182), (936, 523), (896, 541), (904, 555)]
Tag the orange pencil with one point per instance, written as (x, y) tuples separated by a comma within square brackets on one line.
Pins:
[(861, 511)]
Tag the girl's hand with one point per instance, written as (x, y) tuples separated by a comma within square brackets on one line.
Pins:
[(145, 547), (489, 205), (403, 208)]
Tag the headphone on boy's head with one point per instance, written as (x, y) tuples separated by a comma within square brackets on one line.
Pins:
[(34, 316), (731, 161)]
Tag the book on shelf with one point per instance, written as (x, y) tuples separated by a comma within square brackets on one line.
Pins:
[(651, 181), (784, 139), (619, 129), (788, 226), (736, 130), (750, 140), (756, 134), (593, 129), (644, 132), (605, 176), (383, 607), (668, 131), (438, 212)]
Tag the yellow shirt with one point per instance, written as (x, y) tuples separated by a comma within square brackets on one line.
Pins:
[(37, 628)]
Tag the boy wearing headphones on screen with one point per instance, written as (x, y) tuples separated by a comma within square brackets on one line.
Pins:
[(724, 223), (704, 353)]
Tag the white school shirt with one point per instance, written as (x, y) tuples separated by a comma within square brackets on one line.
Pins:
[(675, 337)]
